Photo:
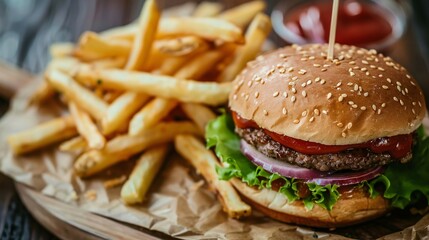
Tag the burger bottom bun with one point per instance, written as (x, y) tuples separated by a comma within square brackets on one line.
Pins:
[(351, 208)]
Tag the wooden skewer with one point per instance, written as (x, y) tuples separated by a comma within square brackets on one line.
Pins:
[(333, 30)]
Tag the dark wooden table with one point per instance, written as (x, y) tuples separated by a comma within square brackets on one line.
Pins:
[(28, 27)]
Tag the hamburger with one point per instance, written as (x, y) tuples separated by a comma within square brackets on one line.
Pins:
[(324, 143)]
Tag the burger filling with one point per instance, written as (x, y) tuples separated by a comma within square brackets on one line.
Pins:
[(395, 167), (350, 159)]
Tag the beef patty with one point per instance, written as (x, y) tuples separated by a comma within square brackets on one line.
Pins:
[(353, 159)]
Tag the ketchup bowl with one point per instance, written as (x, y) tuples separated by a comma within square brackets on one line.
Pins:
[(365, 23)]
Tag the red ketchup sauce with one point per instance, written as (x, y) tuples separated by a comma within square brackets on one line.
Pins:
[(359, 23), (397, 146)]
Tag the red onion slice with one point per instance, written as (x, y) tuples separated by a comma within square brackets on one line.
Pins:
[(275, 166), (318, 177)]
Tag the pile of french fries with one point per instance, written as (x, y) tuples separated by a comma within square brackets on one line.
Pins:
[(122, 85)]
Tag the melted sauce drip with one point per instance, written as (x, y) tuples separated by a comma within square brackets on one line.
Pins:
[(397, 146)]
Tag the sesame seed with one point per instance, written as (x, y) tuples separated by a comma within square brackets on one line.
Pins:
[(414, 103), (284, 111), (249, 83), (401, 102), (381, 69), (293, 99), (412, 83), (351, 102), (340, 125), (366, 94), (399, 88), (293, 90), (365, 62), (372, 66), (356, 87), (257, 78), (290, 69), (349, 84), (316, 111), (265, 112), (304, 59), (383, 105), (303, 84), (414, 112), (374, 107), (285, 94), (312, 57), (352, 74), (352, 62), (343, 134), (234, 97), (294, 78), (338, 84), (406, 90), (311, 119), (304, 93), (308, 82), (246, 97), (349, 125), (420, 104), (403, 92), (302, 71), (363, 108), (329, 95), (275, 94), (323, 69), (322, 81), (282, 55), (364, 69), (408, 76), (340, 98), (380, 75), (316, 65), (317, 79), (325, 112), (385, 87), (304, 114), (296, 121), (256, 94), (282, 70), (395, 99), (354, 106), (398, 83), (389, 80), (379, 111)]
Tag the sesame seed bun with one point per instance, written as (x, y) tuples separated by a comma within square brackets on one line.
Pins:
[(359, 96), (352, 208)]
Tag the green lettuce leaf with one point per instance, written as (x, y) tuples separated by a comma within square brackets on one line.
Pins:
[(220, 134), (404, 184)]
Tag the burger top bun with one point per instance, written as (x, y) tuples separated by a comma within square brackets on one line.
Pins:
[(359, 96)]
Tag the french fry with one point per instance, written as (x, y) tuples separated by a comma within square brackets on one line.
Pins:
[(59, 50), (205, 162), (126, 32), (86, 127), (243, 14), (161, 86), (207, 28), (76, 144), (181, 46), (256, 34), (148, 165), (199, 114), (111, 96), (91, 47), (83, 97), (148, 23), (171, 65), (42, 93), (207, 9), (42, 135), (199, 65), (122, 147), (116, 62), (120, 111), (150, 115)]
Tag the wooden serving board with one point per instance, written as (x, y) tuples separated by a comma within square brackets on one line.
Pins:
[(69, 222)]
